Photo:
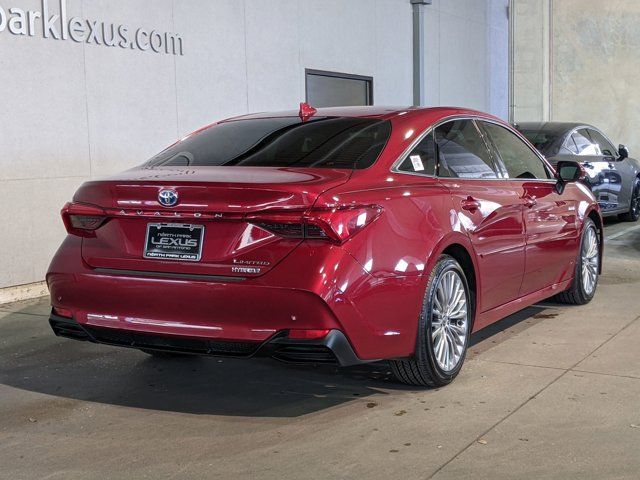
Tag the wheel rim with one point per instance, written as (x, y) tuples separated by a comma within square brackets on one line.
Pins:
[(449, 321), (590, 259), (635, 202)]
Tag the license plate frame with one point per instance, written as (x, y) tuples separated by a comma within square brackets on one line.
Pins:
[(174, 242)]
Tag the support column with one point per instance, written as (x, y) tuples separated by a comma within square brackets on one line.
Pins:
[(419, 96)]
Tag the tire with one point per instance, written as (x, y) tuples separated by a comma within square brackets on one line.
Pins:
[(163, 354), (426, 368), (580, 292), (634, 209)]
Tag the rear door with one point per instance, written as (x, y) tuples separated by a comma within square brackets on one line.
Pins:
[(550, 218), (487, 208)]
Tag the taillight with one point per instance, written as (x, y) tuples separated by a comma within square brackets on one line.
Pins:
[(82, 219), (340, 224), (285, 224), (336, 224)]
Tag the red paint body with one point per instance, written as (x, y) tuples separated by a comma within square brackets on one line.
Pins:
[(370, 287)]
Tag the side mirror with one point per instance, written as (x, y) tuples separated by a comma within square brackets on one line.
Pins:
[(566, 172), (623, 152)]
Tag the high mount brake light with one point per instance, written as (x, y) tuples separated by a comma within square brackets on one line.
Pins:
[(334, 224), (82, 219)]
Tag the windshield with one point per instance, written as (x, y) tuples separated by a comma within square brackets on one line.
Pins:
[(325, 142), (541, 140)]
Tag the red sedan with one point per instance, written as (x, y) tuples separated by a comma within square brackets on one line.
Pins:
[(342, 235)]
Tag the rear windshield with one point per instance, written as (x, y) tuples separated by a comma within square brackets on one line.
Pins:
[(540, 139), (325, 142)]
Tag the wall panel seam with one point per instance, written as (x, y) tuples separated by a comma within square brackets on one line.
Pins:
[(86, 96), (175, 71)]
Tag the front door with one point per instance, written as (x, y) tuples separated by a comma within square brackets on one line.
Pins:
[(620, 175), (600, 164), (551, 230), (550, 218)]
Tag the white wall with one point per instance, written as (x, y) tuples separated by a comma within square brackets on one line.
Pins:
[(73, 111), (467, 48)]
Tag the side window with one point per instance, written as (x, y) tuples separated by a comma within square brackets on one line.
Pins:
[(569, 146), (517, 157), (422, 159), (462, 152), (584, 144), (605, 145)]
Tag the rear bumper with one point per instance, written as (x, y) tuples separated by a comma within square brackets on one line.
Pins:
[(334, 348), (317, 286)]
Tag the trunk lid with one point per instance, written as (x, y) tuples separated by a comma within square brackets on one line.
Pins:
[(215, 198)]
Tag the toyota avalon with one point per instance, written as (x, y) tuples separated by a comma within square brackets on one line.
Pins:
[(341, 235)]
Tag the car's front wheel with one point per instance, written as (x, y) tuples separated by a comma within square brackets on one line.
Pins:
[(443, 330), (634, 209), (585, 278)]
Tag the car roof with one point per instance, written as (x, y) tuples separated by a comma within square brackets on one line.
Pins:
[(382, 112), (557, 128)]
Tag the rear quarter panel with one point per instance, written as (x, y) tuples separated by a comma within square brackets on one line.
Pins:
[(398, 250)]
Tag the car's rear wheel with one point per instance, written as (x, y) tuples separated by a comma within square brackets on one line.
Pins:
[(634, 209), (443, 330), (585, 279)]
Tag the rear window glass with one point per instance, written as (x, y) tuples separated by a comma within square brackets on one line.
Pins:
[(325, 142)]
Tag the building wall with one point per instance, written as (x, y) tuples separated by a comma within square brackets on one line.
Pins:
[(593, 52), (531, 60), (73, 111), (467, 48), (596, 66)]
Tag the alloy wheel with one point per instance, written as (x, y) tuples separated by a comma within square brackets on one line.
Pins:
[(449, 321), (635, 202), (590, 261)]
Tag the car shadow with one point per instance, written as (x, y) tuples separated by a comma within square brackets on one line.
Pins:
[(33, 359)]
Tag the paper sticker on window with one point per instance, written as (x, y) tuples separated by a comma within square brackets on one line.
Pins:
[(417, 163)]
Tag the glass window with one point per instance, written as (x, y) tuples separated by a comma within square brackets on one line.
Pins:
[(422, 159), (569, 147), (540, 139), (584, 144), (605, 145), (462, 152), (323, 142), (517, 157)]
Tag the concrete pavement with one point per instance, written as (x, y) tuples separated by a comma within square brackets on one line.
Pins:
[(551, 392)]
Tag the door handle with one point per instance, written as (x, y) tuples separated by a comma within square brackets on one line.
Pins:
[(470, 204), (529, 201)]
